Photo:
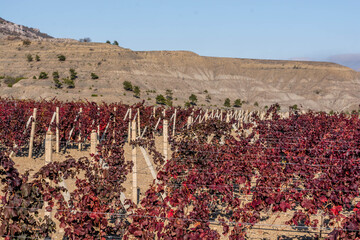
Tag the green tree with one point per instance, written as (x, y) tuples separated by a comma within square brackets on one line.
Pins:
[(160, 99), (43, 75), (107, 41), (73, 74), (193, 99), (61, 57), (116, 43), (227, 103), (169, 94), (127, 86), (294, 107), (56, 75), (70, 83), (238, 103), (56, 80), (37, 58), (136, 91), (94, 76), (29, 57)]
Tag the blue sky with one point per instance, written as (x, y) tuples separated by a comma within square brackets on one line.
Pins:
[(268, 29)]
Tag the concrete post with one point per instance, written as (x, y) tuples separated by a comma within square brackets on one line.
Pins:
[(48, 147), (93, 141), (32, 133), (134, 169), (57, 147), (165, 134)]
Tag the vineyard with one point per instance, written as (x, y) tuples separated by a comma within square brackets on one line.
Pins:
[(212, 174)]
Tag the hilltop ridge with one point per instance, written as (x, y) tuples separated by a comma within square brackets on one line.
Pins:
[(258, 83)]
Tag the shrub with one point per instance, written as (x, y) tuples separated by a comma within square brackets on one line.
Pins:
[(61, 57), (136, 91), (29, 57), (56, 75), (70, 83), (227, 103), (256, 104), (57, 83), (94, 76), (73, 74), (187, 104), (87, 39), (26, 42), (208, 98), (10, 81), (238, 103), (37, 58), (293, 107), (169, 94), (34, 77), (115, 43), (127, 86), (160, 99), (107, 41), (43, 75), (193, 99), (94, 95)]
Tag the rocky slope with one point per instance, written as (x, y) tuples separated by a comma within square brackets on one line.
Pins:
[(315, 85), (13, 30)]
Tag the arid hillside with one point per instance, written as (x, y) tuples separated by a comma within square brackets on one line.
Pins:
[(315, 85)]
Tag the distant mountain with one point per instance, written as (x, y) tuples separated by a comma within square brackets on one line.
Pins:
[(12, 30), (349, 60)]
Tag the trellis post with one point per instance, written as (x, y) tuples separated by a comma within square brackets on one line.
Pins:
[(174, 123), (79, 138), (93, 141), (138, 120), (48, 147), (134, 169), (57, 146), (165, 134), (32, 133)]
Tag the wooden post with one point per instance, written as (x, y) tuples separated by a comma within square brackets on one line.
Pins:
[(134, 169), (188, 122), (227, 117), (221, 113), (93, 141), (129, 132), (138, 120), (79, 138), (154, 111), (98, 127), (48, 147), (174, 124), (32, 133), (57, 147), (114, 122), (48, 158), (165, 134)]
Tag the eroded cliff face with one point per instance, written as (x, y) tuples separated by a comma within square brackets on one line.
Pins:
[(12, 30), (314, 85)]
